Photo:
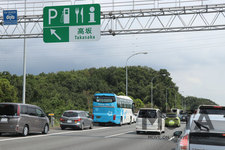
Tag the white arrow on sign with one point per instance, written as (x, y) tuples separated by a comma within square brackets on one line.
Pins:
[(53, 32)]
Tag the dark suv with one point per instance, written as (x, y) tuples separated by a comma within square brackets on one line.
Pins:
[(23, 119)]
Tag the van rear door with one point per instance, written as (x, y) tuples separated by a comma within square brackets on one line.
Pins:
[(148, 119), (9, 114)]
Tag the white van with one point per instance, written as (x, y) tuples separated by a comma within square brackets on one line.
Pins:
[(150, 120)]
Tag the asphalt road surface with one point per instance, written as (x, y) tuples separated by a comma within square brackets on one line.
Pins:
[(99, 138)]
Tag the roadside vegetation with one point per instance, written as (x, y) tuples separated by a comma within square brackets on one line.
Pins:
[(56, 92)]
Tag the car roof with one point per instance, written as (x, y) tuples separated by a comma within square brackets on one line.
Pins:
[(171, 113), (210, 106), (77, 111), (8, 103), (149, 109)]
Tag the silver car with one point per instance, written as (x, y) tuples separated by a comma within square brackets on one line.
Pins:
[(203, 132), (76, 119), (22, 119)]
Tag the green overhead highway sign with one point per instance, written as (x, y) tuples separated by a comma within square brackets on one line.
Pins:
[(72, 23)]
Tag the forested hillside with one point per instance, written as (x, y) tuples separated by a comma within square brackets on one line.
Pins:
[(56, 92)]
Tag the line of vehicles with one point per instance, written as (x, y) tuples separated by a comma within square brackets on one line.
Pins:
[(107, 108), (205, 130)]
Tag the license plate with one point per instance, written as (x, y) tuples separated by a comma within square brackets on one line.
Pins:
[(69, 121), (4, 120)]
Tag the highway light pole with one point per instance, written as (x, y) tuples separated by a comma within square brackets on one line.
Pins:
[(24, 56), (127, 69)]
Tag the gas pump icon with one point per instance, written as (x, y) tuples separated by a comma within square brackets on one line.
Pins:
[(66, 15)]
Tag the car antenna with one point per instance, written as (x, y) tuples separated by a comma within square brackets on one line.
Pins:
[(200, 126)]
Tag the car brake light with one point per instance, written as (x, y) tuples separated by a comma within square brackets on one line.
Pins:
[(78, 119), (217, 106), (18, 110), (184, 143), (61, 119), (223, 134), (114, 117)]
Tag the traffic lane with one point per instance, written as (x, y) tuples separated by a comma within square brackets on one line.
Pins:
[(130, 141), (59, 136), (98, 138), (51, 131)]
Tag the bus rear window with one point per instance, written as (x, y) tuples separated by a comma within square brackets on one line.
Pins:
[(104, 99), (8, 109), (147, 114)]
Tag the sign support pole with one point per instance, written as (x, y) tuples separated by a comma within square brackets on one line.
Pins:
[(24, 58)]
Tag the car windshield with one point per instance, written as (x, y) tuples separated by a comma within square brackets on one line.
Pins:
[(147, 114), (104, 99), (8, 109), (171, 115), (212, 110), (70, 114)]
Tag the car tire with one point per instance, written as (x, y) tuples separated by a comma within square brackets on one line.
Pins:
[(25, 131), (137, 132), (82, 127), (91, 126), (45, 130), (62, 128)]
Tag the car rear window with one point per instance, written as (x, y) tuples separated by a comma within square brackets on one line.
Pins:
[(8, 109), (147, 114), (212, 110), (70, 114), (171, 115), (217, 139)]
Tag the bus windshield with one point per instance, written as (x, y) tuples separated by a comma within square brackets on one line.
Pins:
[(104, 99)]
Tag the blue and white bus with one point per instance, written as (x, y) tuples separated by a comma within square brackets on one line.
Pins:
[(110, 108)]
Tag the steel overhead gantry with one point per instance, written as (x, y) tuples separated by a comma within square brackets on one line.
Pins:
[(142, 21)]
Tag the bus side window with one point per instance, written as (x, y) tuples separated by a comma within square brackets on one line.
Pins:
[(133, 107), (118, 103)]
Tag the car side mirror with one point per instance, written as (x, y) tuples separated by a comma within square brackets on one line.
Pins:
[(177, 133)]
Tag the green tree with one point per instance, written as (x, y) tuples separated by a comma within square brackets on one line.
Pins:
[(7, 92)]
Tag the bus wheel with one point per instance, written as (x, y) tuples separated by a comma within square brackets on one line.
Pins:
[(130, 120)]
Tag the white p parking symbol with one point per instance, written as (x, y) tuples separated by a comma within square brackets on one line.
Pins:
[(50, 16)]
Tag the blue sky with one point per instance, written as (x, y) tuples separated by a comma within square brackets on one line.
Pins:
[(195, 60)]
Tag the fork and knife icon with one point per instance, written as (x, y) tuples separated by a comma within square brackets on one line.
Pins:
[(77, 11)]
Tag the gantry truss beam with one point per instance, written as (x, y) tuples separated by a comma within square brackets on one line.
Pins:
[(143, 21)]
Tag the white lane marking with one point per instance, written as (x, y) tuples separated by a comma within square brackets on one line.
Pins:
[(36, 136), (117, 134), (171, 138)]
